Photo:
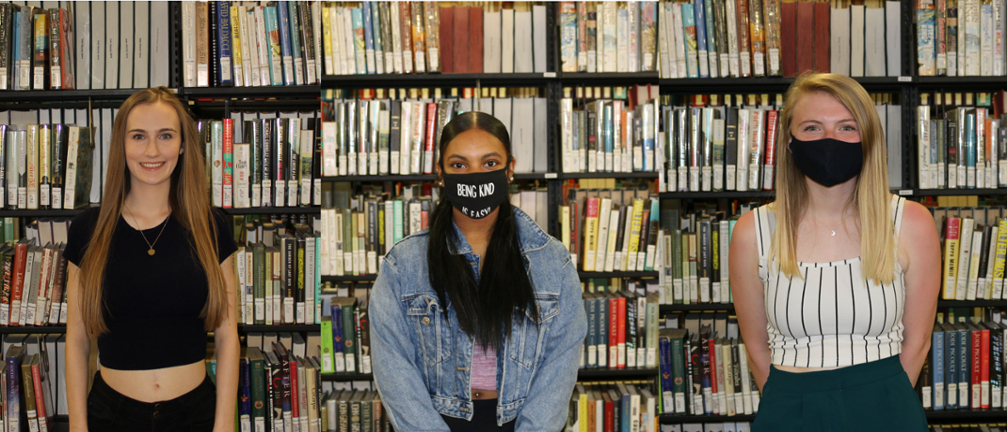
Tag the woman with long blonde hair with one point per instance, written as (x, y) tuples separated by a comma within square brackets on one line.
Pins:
[(835, 283), (148, 278)]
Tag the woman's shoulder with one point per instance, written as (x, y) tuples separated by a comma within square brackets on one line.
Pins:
[(84, 221), (409, 250)]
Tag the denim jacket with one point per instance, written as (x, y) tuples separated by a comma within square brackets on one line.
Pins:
[(421, 357)]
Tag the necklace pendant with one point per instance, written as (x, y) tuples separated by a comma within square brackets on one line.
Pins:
[(151, 251)]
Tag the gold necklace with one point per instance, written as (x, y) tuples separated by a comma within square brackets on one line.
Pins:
[(149, 244)]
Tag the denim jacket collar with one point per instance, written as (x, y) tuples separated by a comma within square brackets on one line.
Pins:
[(531, 237)]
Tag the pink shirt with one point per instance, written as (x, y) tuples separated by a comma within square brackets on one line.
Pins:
[(484, 368)]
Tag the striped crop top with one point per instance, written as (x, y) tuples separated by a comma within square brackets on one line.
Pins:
[(833, 317)]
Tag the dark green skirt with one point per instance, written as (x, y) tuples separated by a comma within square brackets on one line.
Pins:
[(874, 396)]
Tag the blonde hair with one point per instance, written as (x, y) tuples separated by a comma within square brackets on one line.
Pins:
[(189, 204), (870, 198)]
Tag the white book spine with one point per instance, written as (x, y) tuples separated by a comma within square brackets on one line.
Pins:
[(241, 174), (986, 39)]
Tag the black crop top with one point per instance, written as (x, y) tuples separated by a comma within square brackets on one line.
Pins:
[(153, 302)]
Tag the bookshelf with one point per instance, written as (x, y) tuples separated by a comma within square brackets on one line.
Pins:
[(203, 103)]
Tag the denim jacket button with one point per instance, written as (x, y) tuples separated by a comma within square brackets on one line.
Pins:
[(426, 320)]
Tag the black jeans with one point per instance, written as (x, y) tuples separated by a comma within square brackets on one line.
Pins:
[(484, 418), (110, 411)]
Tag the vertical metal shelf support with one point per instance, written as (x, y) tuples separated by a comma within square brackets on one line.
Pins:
[(553, 90), (175, 45), (910, 98)]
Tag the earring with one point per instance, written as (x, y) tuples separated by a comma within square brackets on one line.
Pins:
[(511, 178)]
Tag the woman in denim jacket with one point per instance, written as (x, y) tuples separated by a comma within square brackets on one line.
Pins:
[(477, 323)]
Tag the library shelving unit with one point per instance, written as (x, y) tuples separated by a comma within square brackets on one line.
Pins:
[(203, 103), (552, 82)]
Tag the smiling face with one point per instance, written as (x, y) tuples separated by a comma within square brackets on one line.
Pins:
[(153, 142), (474, 151), (818, 115)]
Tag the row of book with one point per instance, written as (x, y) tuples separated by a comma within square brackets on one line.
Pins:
[(961, 145), (973, 244), (281, 390), (400, 135), (33, 389), (276, 274), (425, 37), (608, 36), (971, 427), (346, 340), (82, 45), (703, 371), (364, 223), (622, 330), (965, 367), (609, 135), (708, 427), (706, 145), (960, 38), (45, 166), (611, 230), (262, 161), (243, 44), (620, 406), (745, 38)]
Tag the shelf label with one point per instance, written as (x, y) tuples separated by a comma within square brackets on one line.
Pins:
[(905, 79), (551, 175), (905, 192), (549, 74)]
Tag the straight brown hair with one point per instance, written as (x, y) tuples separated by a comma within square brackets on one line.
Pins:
[(189, 204)]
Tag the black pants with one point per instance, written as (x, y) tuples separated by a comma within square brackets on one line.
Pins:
[(110, 411), (484, 418)]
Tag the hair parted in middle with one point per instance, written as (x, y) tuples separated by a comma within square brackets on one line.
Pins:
[(486, 309), (870, 199), (190, 205)]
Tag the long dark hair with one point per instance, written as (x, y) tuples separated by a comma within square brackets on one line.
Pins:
[(486, 310)]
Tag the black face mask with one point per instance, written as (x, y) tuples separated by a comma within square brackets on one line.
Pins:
[(828, 161), (476, 195)]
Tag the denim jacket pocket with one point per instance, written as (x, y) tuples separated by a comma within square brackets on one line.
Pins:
[(528, 336), (427, 317)]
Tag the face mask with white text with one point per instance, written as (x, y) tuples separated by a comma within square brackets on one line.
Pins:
[(476, 195)]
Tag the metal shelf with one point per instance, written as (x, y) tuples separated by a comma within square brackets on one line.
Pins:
[(764, 84), (361, 278), (971, 303), (277, 328), (58, 329), (436, 80), (285, 91), (959, 192), (613, 374), (669, 308), (40, 213), (272, 210), (980, 83), (722, 194), (607, 374), (380, 178), (617, 274), (676, 419), (607, 78), (65, 95), (960, 416), (605, 175), (347, 377)]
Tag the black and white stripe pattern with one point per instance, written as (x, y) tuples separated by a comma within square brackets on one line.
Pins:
[(833, 317)]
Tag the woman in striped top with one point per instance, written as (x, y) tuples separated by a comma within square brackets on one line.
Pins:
[(835, 306)]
